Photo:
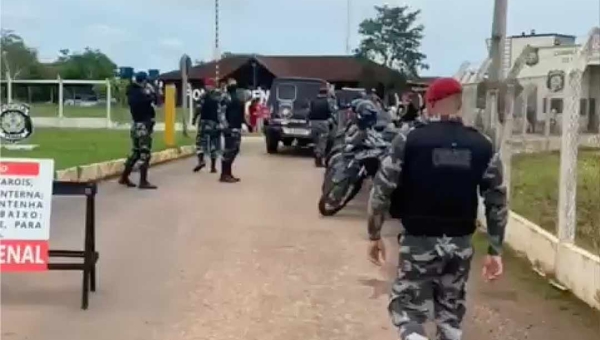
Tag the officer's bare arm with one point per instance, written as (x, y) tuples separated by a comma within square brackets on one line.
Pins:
[(493, 192), (384, 185)]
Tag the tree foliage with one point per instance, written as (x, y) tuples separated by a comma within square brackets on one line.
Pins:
[(18, 60), (90, 64), (21, 62), (393, 38)]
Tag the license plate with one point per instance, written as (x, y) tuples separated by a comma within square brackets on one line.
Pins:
[(296, 131)]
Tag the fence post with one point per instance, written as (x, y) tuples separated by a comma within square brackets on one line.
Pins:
[(506, 138), (8, 88), (525, 103), (567, 199), (61, 99), (108, 103)]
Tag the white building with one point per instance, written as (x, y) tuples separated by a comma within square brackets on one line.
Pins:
[(543, 77)]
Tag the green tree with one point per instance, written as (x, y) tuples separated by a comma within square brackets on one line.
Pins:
[(18, 60), (92, 64), (393, 38)]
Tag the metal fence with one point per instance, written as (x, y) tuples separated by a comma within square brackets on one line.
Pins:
[(549, 139)]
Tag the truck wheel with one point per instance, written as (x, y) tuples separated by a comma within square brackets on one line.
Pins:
[(272, 144)]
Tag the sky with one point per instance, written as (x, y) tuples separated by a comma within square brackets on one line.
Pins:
[(156, 33)]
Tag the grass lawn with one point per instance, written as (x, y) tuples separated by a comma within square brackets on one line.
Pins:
[(72, 147), (118, 113), (535, 193)]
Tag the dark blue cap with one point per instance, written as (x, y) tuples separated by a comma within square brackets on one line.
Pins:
[(141, 76)]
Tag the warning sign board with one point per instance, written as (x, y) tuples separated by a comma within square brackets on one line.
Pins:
[(25, 206)]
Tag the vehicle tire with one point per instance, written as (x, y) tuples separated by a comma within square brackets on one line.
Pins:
[(329, 210), (272, 144), (288, 141)]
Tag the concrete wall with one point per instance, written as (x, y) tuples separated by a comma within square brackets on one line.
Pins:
[(571, 266)]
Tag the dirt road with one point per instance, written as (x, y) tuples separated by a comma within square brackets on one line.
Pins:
[(202, 260)]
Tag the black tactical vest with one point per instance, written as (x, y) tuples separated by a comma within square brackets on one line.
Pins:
[(320, 109), (444, 163)]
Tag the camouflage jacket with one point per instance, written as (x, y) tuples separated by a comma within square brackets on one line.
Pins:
[(491, 188)]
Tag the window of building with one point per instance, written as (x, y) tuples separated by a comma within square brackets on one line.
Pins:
[(583, 107), (592, 107), (556, 104)]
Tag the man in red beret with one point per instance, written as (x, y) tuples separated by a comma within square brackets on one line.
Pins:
[(430, 180)]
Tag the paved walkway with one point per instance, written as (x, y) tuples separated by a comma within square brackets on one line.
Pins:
[(201, 260)]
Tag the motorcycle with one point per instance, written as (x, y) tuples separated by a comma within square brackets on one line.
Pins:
[(348, 168)]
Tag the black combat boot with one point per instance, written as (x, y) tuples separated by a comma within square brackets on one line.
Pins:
[(201, 163), (231, 173), (318, 161), (213, 165), (144, 184), (226, 173), (124, 180)]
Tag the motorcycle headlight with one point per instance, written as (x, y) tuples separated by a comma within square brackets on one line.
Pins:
[(286, 112)]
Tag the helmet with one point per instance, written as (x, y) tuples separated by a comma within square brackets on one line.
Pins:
[(366, 114), (141, 77)]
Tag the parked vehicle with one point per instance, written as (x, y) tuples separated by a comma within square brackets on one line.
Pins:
[(289, 105), (82, 100)]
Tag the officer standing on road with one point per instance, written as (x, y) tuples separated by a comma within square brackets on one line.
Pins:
[(140, 96), (234, 118), (208, 136), (431, 178), (321, 116)]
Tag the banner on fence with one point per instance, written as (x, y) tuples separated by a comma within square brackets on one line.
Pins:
[(25, 207)]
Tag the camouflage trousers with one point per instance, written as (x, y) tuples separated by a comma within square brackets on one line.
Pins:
[(208, 139), (320, 132), (233, 139), (431, 270), (141, 144)]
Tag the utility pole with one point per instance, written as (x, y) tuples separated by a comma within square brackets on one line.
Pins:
[(495, 72), (217, 55), (348, 29), (498, 37)]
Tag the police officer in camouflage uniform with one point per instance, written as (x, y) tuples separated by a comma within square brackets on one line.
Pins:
[(208, 136), (321, 116), (140, 96), (431, 179), (234, 118)]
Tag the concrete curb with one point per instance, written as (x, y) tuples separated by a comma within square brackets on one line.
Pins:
[(99, 171)]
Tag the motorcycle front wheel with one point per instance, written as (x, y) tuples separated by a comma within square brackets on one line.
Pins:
[(328, 206)]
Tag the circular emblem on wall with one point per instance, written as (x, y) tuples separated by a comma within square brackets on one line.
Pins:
[(555, 81), (15, 122), (596, 42), (533, 58)]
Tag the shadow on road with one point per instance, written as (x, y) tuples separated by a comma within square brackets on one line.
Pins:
[(294, 152)]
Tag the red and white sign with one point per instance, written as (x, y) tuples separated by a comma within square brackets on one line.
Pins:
[(25, 206)]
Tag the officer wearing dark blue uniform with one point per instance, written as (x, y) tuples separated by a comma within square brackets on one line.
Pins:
[(321, 116), (232, 132), (208, 136), (140, 96), (430, 180)]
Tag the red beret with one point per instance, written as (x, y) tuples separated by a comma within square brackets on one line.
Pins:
[(442, 88), (210, 82)]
